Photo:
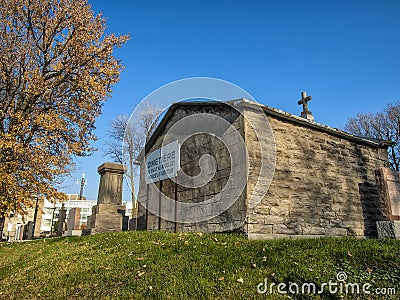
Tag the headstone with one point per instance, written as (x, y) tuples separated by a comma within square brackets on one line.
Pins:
[(109, 213), (19, 232), (9, 230), (29, 230), (388, 184), (37, 217), (133, 224), (61, 219), (73, 222)]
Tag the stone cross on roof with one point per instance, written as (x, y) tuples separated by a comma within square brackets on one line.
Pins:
[(306, 114)]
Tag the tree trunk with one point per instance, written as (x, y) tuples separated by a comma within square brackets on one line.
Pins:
[(2, 220)]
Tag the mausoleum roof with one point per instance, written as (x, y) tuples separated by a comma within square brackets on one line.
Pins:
[(248, 104), (318, 126)]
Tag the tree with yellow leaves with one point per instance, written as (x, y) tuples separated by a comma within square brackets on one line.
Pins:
[(56, 70)]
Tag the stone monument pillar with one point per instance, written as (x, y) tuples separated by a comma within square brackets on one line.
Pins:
[(109, 213)]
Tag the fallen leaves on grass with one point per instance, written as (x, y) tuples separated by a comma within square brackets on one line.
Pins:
[(140, 274)]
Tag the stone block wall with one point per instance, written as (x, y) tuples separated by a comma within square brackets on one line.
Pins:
[(191, 151), (323, 185)]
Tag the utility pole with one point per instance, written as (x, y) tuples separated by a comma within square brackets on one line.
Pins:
[(83, 183)]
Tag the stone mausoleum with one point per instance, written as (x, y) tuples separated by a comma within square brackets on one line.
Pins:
[(320, 181)]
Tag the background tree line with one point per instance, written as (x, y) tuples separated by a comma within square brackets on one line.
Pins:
[(127, 138), (383, 125)]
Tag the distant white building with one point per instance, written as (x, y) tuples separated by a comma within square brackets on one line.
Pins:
[(129, 208), (51, 210)]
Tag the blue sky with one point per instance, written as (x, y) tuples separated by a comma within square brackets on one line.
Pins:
[(346, 54)]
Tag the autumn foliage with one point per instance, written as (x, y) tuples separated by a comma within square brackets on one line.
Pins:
[(56, 70)]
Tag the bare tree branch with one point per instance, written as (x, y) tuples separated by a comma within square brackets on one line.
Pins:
[(382, 126), (126, 138)]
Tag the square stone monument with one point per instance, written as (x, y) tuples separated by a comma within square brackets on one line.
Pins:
[(109, 213), (73, 222), (388, 183)]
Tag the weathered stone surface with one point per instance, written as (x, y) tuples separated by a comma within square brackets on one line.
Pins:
[(388, 183), (74, 217), (330, 231), (271, 219), (283, 229), (327, 182), (329, 214), (106, 218), (109, 214), (311, 230), (324, 183), (259, 228), (61, 220), (110, 187), (335, 223), (73, 222), (388, 229), (191, 151)]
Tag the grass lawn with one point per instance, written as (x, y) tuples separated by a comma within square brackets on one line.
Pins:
[(157, 265)]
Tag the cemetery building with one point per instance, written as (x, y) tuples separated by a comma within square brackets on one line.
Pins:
[(323, 181)]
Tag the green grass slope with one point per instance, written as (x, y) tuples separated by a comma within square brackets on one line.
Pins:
[(156, 265)]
